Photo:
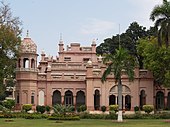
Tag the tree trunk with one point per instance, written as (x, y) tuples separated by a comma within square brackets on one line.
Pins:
[(120, 118)]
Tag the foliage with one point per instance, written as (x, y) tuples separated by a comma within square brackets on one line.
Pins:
[(161, 15), (27, 107), (64, 118), (103, 108), (148, 108), (47, 108), (156, 59), (136, 108), (83, 108), (9, 43), (113, 108), (9, 103), (62, 109), (40, 109)]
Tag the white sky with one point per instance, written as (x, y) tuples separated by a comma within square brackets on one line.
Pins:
[(78, 20)]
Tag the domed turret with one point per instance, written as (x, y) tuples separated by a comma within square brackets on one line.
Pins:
[(28, 45)]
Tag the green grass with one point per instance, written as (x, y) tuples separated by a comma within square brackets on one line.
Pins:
[(83, 123)]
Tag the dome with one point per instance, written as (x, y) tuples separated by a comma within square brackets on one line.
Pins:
[(28, 46)]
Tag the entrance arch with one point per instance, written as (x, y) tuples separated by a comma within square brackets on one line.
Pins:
[(68, 100), (56, 99), (97, 100), (80, 98), (159, 100)]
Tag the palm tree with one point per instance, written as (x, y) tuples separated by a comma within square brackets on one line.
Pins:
[(119, 63), (161, 15)]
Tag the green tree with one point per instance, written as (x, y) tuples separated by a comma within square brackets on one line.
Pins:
[(9, 43), (156, 60), (161, 15), (119, 63)]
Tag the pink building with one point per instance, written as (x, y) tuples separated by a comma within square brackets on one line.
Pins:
[(74, 78)]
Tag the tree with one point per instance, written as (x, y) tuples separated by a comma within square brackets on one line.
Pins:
[(161, 15), (119, 63), (9, 43), (156, 60)]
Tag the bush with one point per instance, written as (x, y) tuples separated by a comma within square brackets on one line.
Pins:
[(9, 103), (62, 109), (148, 108), (103, 108), (83, 108), (47, 108), (113, 108), (64, 118), (27, 107), (136, 108), (1, 108), (40, 109)]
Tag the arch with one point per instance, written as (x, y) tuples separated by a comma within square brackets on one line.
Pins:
[(41, 97), (25, 63), (56, 98), (127, 102), (125, 90), (112, 100), (142, 98), (32, 63), (80, 98), (159, 100), (68, 98), (97, 99), (168, 100)]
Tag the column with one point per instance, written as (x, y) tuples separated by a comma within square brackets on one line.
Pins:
[(74, 101), (62, 99)]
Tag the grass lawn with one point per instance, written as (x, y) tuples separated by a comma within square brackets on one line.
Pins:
[(83, 123)]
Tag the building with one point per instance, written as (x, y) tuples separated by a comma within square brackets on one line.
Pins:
[(74, 78)]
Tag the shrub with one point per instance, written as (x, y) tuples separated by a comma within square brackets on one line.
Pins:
[(64, 118), (27, 107), (136, 108), (148, 108), (113, 108), (40, 109), (1, 108), (103, 108), (62, 109), (83, 108), (47, 108), (9, 103)]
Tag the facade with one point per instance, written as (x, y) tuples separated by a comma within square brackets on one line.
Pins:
[(74, 78)]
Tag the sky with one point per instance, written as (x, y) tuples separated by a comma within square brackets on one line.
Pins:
[(78, 20)]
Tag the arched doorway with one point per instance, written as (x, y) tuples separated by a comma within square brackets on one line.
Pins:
[(68, 100), (80, 98), (127, 102), (159, 100), (97, 100), (142, 98), (168, 101), (56, 99), (112, 100), (32, 63)]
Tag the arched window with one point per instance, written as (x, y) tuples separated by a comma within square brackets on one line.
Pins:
[(32, 63), (112, 100), (168, 101), (142, 98), (56, 99), (68, 98), (26, 63), (127, 102), (41, 97), (97, 100), (159, 100), (80, 98)]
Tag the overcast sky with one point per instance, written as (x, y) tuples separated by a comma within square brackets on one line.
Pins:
[(78, 20)]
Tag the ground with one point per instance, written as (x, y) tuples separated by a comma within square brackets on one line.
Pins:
[(83, 123)]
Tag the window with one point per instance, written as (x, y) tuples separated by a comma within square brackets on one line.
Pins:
[(67, 58), (86, 60), (32, 99), (17, 98)]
